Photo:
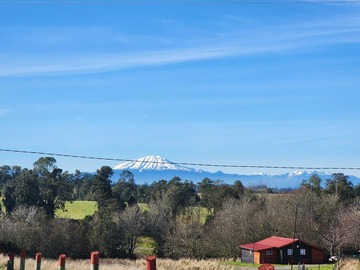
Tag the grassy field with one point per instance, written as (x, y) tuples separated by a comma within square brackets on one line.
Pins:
[(74, 210), (77, 209)]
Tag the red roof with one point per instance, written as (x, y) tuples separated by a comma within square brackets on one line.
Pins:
[(271, 242)]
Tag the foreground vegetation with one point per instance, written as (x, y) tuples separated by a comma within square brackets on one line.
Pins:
[(176, 218), (123, 264), (163, 264)]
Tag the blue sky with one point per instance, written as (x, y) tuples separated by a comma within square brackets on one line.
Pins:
[(274, 84)]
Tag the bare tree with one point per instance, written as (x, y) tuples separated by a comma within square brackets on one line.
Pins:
[(351, 225), (22, 227), (186, 235), (233, 225), (130, 221)]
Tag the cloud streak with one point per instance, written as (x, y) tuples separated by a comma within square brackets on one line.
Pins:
[(60, 65), (274, 40)]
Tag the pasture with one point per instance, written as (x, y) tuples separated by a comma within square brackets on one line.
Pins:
[(77, 210)]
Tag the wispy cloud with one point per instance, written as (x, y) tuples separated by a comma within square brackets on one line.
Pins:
[(57, 65), (266, 40)]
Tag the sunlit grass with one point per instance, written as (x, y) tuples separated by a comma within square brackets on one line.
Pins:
[(145, 245), (243, 264), (77, 210), (322, 267), (143, 207)]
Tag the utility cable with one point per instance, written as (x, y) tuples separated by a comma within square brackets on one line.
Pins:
[(178, 2), (179, 163)]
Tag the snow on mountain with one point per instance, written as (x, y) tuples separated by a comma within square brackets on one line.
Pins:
[(308, 174), (151, 163), (154, 168), (296, 173)]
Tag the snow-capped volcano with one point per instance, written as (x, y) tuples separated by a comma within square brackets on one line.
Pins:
[(153, 168), (151, 163)]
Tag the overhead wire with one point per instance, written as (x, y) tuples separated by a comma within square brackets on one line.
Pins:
[(178, 163), (178, 2)]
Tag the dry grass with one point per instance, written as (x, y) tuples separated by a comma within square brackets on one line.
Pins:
[(350, 264), (119, 264)]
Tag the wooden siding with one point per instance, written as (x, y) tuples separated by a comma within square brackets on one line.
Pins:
[(272, 258), (302, 253), (257, 257), (317, 256)]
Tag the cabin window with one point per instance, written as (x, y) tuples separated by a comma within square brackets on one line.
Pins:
[(302, 251), (269, 253), (289, 252)]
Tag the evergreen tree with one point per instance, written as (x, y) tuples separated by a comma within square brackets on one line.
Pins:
[(101, 188)]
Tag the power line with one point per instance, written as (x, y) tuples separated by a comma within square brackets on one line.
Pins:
[(180, 163), (178, 2)]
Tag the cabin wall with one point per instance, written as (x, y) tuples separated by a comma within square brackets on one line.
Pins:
[(247, 256), (270, 256), (317, 256)]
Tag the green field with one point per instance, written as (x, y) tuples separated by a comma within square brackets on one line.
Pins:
[(77, 209), (241, 264), (322, 267)]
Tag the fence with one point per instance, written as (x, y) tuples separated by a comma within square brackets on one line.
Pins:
[(94, 261)]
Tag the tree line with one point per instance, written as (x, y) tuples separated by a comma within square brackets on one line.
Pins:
[(184, 219)]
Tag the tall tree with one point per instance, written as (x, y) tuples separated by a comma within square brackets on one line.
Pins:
[(341, 187), (21, 189), (27, 189), (4, 175), (214, 193), (124, 190), (313, 184), (54, 185), (101, 188)]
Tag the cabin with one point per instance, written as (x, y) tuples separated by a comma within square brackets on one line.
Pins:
[(280, 250)]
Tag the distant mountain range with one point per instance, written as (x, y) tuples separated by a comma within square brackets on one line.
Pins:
[(154, 168)]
